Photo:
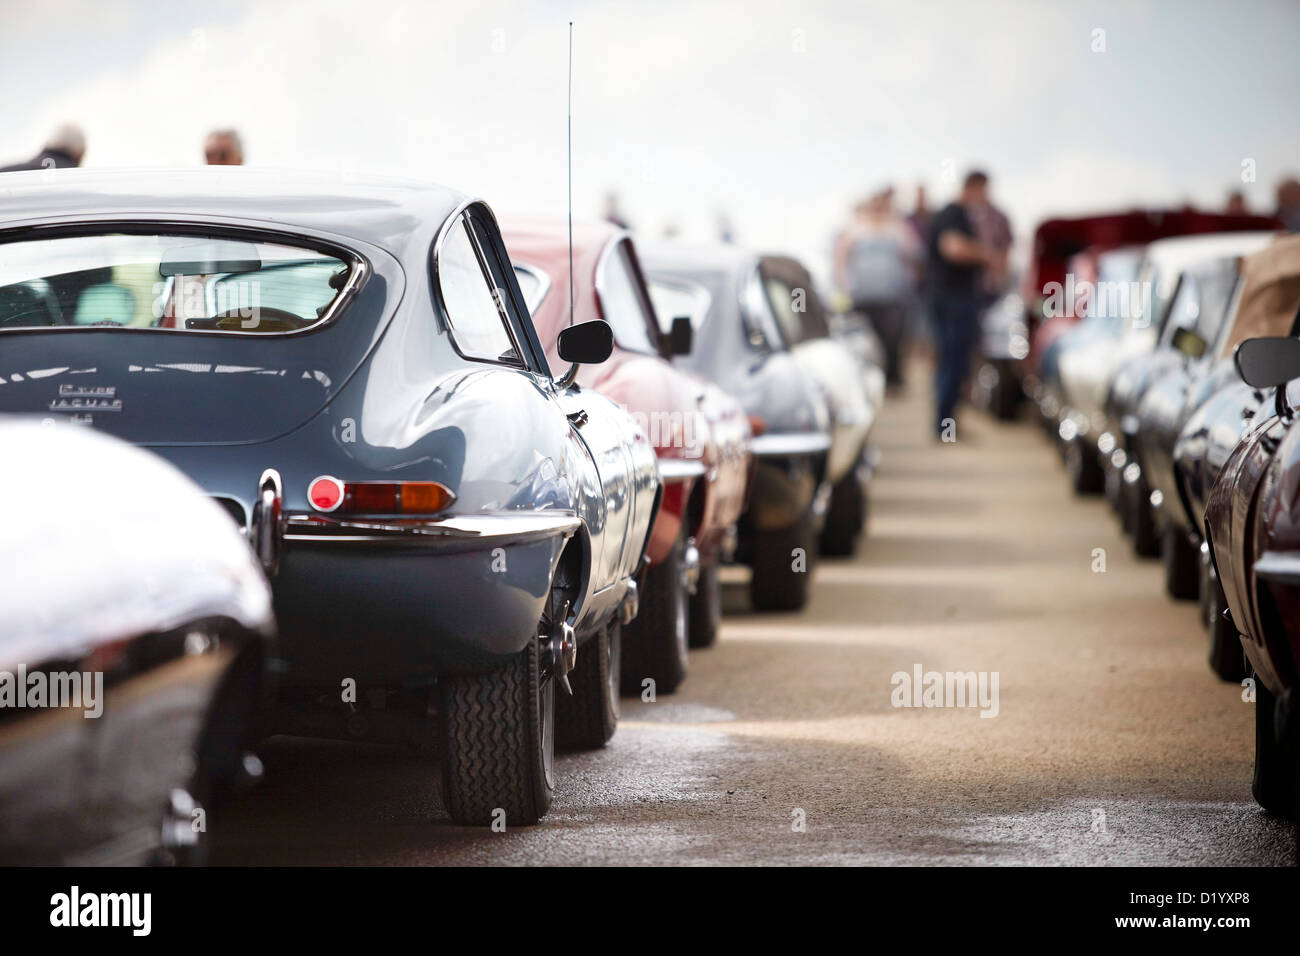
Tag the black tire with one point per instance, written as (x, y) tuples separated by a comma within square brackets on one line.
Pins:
[(1226, 656), (1146, 543), (1086, 476), (498, 741), (776, 585), (1124, 505), (706, 607), (1274, 781), (1182, 565), (1005, 400), (846, 516), (655, 643), (589, 718)]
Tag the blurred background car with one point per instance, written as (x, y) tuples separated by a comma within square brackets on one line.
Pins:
[(699, 433), (854, 392), (1181, 380), (738, 344)]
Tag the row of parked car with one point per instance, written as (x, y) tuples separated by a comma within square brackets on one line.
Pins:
[(402, 474), (1165, 387)]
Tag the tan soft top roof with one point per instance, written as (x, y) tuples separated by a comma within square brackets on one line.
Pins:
[(1270, 295)]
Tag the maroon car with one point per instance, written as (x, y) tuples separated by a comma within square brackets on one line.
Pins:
[(1252, 521), (700, 433)]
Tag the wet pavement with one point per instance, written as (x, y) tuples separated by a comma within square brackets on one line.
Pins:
[(1112, 742)]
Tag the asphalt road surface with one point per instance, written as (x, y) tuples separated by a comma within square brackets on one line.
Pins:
[(1112, 743)]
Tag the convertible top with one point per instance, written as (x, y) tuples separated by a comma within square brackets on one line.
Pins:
[(1270, 294), (373, 209)]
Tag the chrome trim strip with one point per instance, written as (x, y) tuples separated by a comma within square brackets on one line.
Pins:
[(435, 284), (790, 443), (679, 469), (265, 531), (457, 531), (1279, 568)]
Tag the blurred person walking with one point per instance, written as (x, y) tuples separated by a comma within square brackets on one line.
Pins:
[(955, 261), (993, 230), (65, 147), (874, 263), (918, 330), (921, 215), (223, 147)]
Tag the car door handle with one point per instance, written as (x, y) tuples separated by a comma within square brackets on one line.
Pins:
[(578, 418)]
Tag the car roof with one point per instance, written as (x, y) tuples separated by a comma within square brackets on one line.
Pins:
[(366, 207), (1177, 253)]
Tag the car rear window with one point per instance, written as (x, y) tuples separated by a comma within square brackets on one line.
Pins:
[(162, 281)]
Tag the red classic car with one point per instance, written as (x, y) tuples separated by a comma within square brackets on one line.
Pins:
[(699, 432), (1057, 243), (1252, 517)]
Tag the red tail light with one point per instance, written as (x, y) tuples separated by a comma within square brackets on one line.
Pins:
[(757, 425), (327, 493)]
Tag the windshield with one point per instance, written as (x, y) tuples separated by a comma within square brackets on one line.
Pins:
[(159, 281), (675, 299)]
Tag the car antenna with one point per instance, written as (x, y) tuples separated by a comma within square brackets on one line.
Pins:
[(570, 155)]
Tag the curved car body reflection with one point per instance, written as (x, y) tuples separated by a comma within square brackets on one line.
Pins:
[(139, 598)]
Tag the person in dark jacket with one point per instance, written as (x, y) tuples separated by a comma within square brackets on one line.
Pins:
[(955, 262), (65, 147)]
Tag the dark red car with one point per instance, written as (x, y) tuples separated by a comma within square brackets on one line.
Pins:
[(699, 432), (1057, 243), (1252, 522)]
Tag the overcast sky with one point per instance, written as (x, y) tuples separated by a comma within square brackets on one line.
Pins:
[(778, 113)]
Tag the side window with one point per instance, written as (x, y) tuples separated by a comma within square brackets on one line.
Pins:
[(478, 326), (781, 297), (1186, 307), (1216, 294), (534, 284), (763, 329), (673, 299), (622, 303)]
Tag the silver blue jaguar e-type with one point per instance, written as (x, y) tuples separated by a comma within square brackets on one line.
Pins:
[(349, 368)]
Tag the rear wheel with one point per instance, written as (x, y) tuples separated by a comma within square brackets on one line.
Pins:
[(1274, 783), (654, 645), (845, 517), (498, 752), (586, 720), (1146, 544), (1005, 399), (706, 606), (1086, 476), (1226, 657), (782, 564), (1182, 565)]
